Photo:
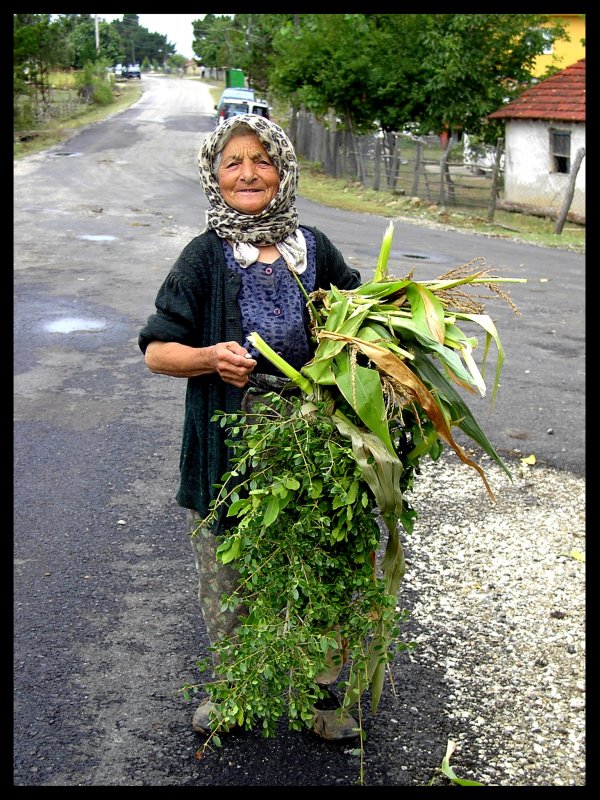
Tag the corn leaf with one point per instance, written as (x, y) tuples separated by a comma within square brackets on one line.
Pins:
[(377, 291), (446, 354), (379, 334), (337, 313), (427, 311), (384, 253), (486, 322), (344, 320), (361, 387), (449, 772), (381, 469), (462, 416), (320, 372), (415, 388)]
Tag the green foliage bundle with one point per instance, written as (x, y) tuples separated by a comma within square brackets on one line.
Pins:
[(318, 484), (304, 544)]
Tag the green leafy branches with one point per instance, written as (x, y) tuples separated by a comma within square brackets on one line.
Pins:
[(304, 540)]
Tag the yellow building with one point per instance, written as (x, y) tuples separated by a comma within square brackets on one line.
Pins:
[(563, 53)]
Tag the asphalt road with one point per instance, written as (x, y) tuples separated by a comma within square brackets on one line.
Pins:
[(106, 626)]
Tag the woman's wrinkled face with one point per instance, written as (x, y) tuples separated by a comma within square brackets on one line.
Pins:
[(247, 177)]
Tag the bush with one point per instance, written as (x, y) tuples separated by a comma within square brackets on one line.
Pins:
[(92, 86), (103, 95)]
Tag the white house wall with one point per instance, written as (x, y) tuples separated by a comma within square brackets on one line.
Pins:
[(529, 176)]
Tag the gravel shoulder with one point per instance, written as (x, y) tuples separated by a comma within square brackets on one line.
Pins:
[(496, 593)]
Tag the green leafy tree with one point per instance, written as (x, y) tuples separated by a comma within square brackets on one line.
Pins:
[(323, 63), (138, 43), (434, 71), (80, 39), (392, 62), (474, 63), (92, 86), (176, 62), (251, 47), (37, 48), (214, 40)]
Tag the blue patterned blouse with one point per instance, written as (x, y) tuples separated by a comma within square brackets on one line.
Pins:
[(273, 305)]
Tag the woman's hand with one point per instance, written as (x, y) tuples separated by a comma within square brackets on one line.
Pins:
[(233, 363), (229, 360)]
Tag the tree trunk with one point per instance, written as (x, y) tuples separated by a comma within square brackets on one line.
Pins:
[(560, 221), (495, 173)]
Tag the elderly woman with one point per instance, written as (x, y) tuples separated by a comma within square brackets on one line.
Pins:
[(235, 278)]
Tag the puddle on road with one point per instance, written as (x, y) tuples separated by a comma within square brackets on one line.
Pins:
[(97, 237), (72, 324)]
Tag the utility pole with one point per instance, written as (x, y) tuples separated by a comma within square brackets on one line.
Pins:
[(97, 33)]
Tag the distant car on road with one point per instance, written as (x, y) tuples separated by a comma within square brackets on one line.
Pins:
[(133, 71), (129, 71), (239, 101), (236, 93)]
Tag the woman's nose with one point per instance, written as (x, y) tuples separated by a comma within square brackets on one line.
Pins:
[(248, 170)]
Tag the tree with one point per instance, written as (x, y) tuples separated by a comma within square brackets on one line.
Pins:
[(435, 72), (37, 48), (251, 48), (215, 40), (138, 43), (474, 63), (80, 38)]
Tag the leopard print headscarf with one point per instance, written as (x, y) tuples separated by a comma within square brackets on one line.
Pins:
[(278, 222)]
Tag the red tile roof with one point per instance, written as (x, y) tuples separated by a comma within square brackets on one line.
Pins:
[(560, 97)]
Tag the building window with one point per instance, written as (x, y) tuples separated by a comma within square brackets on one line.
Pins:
[(560, 150)]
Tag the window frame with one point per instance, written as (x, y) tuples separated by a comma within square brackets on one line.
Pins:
[(560, 154)]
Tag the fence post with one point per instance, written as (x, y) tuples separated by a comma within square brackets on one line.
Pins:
[(495, 173), (560, 220), (445, 176), (443, 163), (293, 129), (377, 166), (327, 151), (391, 172), (418, 157)]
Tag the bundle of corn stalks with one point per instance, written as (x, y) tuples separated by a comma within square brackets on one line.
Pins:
[(380, 394)]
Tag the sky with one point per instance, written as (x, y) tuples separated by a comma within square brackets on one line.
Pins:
[(176, 27)]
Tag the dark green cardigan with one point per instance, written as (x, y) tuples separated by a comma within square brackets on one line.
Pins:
[(197, 306)]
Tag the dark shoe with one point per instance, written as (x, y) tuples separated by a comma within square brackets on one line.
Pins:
[(331, 721), (206, 713)]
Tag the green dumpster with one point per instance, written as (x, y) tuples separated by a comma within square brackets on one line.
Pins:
[(234, 77)]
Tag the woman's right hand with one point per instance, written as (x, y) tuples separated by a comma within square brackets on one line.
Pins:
[(232, 362)]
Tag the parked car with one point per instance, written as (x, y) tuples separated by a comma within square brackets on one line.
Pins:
[(239, 101), (236, 93), (132, 71)]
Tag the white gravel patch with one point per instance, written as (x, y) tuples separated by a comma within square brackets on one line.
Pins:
[(499, 598)]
